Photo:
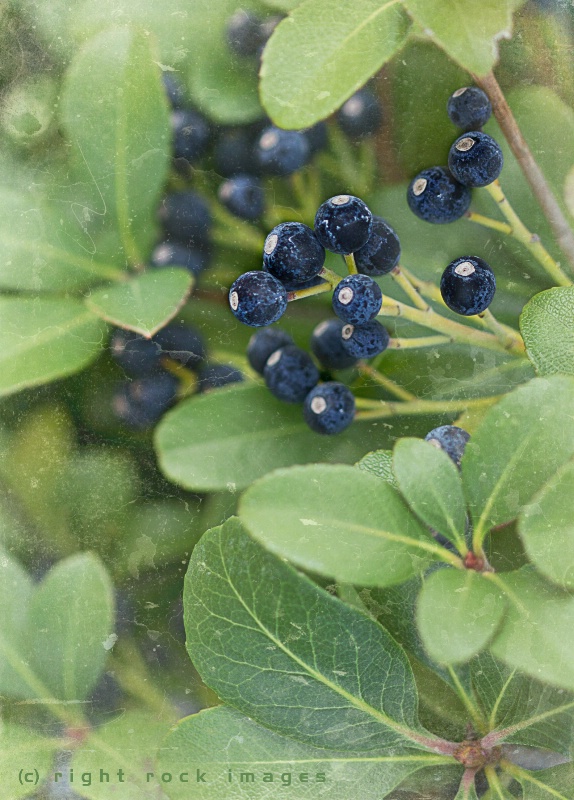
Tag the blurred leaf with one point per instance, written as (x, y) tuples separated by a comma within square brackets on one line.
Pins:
[(71, 616), (45, 339), (283, 5), (329, 674), (379, 463), (125, 144), (337, 521), (548, 784), (20, 748), (469, 32), (547, 326), (221, 739), (323, 53), (145, 303), (15, 595)]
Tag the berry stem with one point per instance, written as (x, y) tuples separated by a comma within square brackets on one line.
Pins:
[(411, 291), (379, 409), (427, 289), (533, 173), (509, 338), (300, 294), (419, 341), (330, 276), (351, 265), (488, 222), (369, 371), (531, 241)]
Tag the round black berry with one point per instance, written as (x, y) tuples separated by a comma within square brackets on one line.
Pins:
[(243, 196), (467, 285), (263, 343), (173, 254), (244, 34), (436, 196), (327, 345), (190, 134), (365, 341), (343, 224), (136, 355), (182, 344), (329, 408), (469, 108), (280, 152), (450, 439), (214, 376), (234, 153), (257, 299), (357, 299), (361, 115), (475, 159), (317, 136), (140, 403), (185, 217), (382, 252), (292, 253), (290, 374)]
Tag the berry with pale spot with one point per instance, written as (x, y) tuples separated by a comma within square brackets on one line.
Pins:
[(292, 253), (263, 343), (451, 439), (327, 345), (257, 299), (365, 341), (475, 159), (329, 408), (435, 196), (290, 374), (468, 285), (343, 224), (469, 108), (357, 299)]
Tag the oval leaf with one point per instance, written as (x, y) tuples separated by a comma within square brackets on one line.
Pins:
[(379, 463), (547, 326), (15, 594), (21, 748), (323, 52)]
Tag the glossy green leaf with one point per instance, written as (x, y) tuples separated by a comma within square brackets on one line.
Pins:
[(379, 463), (548, 784), (265, 765), (45, 339), (522, 710), (547, 326), (537, 635), (71, 616), (338, 521), (145, 303), (15, 595), (229, 438), (546, 527), (430, 483), (126, 145), (330, 675), (323, 52), (468, 31), (458, 613), (21, 749), (519, 445)]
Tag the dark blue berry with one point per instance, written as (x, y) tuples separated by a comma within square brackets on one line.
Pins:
[(327, 345), (292, 253), (436, 196), (185, 217), (365, 341), (244, 34), (450, 439), (140, 403), (191, 134), (290, 374), (263, 343), (357, 299), (243, 196), (343, 224), (280, 152), (475, 159), (173, 254), (214, 376), (317, 136), (329, 408), (469, 108), (467, 285), (182, 344), (382, 252), (136, 355), (174, 91), (258, 299), (295, 286), (361, 116), (234, 153)]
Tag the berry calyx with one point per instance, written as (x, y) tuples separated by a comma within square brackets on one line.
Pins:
[(257, 299), (343, 224), (292, 253), (468, 285), (357, 299), (475, 159), (290, 374), (365, 341), (435, 196), (329, 408)]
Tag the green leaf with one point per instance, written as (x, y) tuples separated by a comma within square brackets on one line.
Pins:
[(468, 31), (125, 145), (431, 485), (15, 594), (128, 743), (145, 303), (523, 710), (379, 463), (547, 784), (519, 445), (458, 613), (221, 739), (323, 52), (537, 635), (467, 792), (283, 5), (70, 619), (330, 675), (21, 749), (547, 326), (207, 443), (338, 521), (45, 339), (546, 527)]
